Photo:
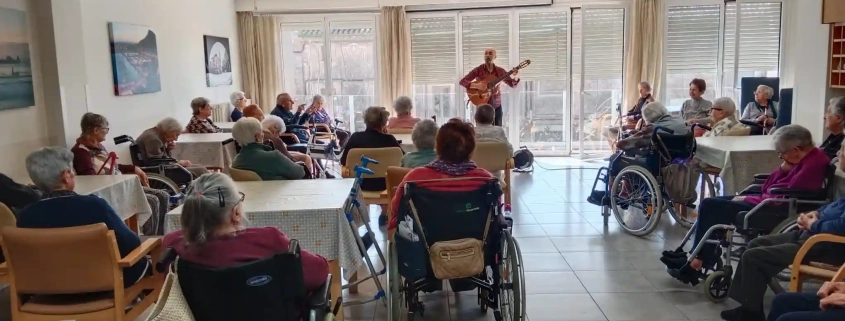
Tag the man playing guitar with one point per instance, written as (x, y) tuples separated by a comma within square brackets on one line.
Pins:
[(482, 72)]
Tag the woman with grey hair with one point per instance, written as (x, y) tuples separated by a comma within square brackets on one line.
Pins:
[(804, 168), (201, 121), (834, 120), (403, 119), (269, 164), (273, 126), (423, 136), (51, 169), (319, 115), (238, 101), (214, 232), (723, 114), (155, 144), (762, 110)]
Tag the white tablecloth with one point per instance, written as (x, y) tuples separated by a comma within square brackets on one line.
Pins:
[(739, 157), (226, 126), (205, 149), (311, 211), (407, 144), (123, 192)]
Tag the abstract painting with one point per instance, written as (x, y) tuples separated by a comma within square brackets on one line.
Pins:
[(134, 56), (16, 90), (218, 62)]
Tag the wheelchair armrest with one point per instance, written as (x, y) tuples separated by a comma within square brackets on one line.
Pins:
[(160, 161), (321, 298), (763, 176), (798, 193), (289, 127), (752, 190)]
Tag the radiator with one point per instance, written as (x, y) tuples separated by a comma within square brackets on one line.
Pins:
[(220, 113)]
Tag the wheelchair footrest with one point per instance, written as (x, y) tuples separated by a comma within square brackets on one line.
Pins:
[(599, 198)]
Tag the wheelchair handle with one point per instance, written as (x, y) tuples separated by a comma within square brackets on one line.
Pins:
[(705, 127), (667, 130), (360, 171), (366, 161)]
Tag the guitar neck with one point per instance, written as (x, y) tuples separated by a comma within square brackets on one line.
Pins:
[(507, 74)]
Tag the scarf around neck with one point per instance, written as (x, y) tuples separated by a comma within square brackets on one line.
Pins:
[(451, 169)]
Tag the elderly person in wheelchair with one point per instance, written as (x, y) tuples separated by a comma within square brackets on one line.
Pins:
[(153, 151), (802, 173), (654, 115)]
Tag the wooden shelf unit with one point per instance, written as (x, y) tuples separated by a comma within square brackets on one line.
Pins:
[(836, 68)]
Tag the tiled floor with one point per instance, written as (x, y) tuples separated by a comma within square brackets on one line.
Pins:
[(575, 267)]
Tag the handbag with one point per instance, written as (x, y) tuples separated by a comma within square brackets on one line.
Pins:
[(171, 304), (455, 259)]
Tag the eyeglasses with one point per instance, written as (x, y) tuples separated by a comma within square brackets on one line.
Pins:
[(105, 129), (223, 198)]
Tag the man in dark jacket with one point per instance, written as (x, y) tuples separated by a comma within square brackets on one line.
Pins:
[(16, 196)]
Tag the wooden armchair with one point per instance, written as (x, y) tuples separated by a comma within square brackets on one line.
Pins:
[(7, 218), (75, 273), (323, 132), (495, 157), (395, 175), (400, 131), (241, 175), (389, 156), (814, 270)]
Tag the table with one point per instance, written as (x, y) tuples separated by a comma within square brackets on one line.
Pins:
[(123, 192), (739, 157), (226, 126), (311, 211), (206, 149), (407, 144)]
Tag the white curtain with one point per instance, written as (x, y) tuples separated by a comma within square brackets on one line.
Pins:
[(395, 73), (644, 59), (260, 49)]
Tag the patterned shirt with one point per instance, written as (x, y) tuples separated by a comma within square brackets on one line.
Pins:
[(482, 72), (321, 117), (200, 126), (722, 127)]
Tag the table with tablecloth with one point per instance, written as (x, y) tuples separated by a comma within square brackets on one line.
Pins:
[(226, 126), (123, 192), (206, 149), (739, 158), (405, 142)]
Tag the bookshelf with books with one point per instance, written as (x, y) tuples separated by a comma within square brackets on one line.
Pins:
[(837, 56)]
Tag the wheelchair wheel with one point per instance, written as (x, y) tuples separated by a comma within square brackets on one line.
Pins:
[(716, 286), (636, 200), (788, 225), (512, 284), (394, 281), (161, 182)]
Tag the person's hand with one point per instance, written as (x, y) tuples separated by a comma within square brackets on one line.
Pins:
[(785, 166), (699, 131), (738, 198), (311, 110), (829, 288), (809, 220), (300, 108), (835, 300), (185, 163), (515, 75), (142, 176)]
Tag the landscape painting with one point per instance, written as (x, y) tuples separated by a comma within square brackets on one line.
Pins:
[(218, 62), (16, 90), (134, 55)]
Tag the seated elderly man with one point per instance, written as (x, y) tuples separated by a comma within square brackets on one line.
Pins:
[(51, 169), (284, 109), (156, 143), (828, 304), (423, 136), (201, 121), (268, 163), (723, 114), (485, 131), (654, 115), (403, 119)]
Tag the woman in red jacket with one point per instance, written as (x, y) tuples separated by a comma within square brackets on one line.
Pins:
[(454, 145)]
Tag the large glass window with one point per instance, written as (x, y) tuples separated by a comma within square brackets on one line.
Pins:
[(759, 43), (434, 71), (692, 51)]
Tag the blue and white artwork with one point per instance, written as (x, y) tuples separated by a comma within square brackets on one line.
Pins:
[(134, 54), (16, 90)]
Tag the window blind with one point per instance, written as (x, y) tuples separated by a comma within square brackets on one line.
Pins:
[(603, 38), (433, 50), (482, 32), (543, 40), (692, 39), (759, 37)]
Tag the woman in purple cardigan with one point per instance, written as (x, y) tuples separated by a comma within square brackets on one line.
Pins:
[(804, 167)]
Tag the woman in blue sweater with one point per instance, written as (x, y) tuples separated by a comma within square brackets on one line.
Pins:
[(51, 169)]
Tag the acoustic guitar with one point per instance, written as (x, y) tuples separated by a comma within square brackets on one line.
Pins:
[(480, 97)]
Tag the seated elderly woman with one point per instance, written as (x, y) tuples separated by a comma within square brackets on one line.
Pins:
[(214, 232), (403, 120), (762, 110), (238, 101), (723, 114), (268, 163), (91, 158), (319, 115), (485, 131), (828, 304), (834, 122), (654, 115), (423, 137), (51, 169), (804, 167), (273, 126), (201, 121), (635, 113), (156, 143)]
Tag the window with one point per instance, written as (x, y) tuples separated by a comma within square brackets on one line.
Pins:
[(759, 43), (434, 71), (692, 51)]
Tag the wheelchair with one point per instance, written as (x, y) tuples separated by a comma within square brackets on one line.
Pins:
[(634, 187), (268, 289), (165, 174), (718, 281), (427, 217)]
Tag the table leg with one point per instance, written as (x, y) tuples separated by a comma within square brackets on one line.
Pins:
[(132, 223), (353, 289), (335, 287)]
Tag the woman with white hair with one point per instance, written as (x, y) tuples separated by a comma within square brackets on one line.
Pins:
[(423, 136), (269, 164), (319, 115), (273, 126), (834, 121), (156, 143), (402, 106), (723, 114), (762, 110), (654, 115), (804, 167), (201, 121), (238, 101), (51, 169), (214, 232)]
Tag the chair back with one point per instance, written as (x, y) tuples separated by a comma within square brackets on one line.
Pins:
[(395, 175), (739, 130), (242, 175), (268, 289), (135, 154), (492, 156), (7, 217), (675, 146), (68, 260), (387, 156), (399, 130), (784, 108)]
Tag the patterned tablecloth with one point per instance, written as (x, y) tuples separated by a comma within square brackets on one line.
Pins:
[(123, 192), (206, 149), (739, 157), (407, 144), (226, 126), (311, 211)]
